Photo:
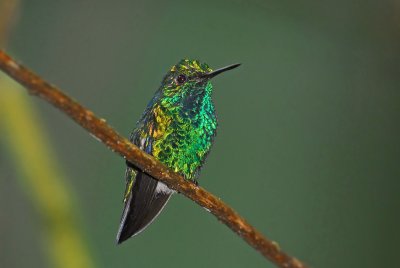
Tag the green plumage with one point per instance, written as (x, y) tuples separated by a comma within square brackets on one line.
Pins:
[(179, 124), (178, 128)]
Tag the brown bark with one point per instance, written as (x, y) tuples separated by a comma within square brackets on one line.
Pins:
[(107, 135)]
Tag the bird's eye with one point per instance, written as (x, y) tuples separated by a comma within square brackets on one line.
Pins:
[(181, 79)]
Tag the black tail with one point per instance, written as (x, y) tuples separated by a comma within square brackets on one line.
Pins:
[(142, 206)]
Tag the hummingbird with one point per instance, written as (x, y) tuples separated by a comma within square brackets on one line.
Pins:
[(178, 128)]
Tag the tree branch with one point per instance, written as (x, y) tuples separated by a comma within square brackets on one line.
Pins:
[(107, 135)]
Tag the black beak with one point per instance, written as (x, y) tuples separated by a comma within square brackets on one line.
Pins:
[(219, 71)]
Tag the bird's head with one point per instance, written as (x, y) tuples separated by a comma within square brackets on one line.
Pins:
[(189, 80)]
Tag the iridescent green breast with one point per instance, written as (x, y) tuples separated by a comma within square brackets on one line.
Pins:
[(185, 147), (181, 137)]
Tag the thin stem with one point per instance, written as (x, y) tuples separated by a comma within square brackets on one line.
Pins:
[(107, 135), (42, 179), (64, 242)]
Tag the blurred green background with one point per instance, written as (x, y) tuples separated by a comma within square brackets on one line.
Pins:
[(308, 144)]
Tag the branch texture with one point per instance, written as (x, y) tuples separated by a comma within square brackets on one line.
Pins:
[(107, 135)]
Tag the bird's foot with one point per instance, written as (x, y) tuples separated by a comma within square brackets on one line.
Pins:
[(129, 164)]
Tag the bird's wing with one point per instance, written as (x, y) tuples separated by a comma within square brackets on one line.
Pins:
[(144, 198)]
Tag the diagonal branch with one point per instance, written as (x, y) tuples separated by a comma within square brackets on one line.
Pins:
[(107, 135)]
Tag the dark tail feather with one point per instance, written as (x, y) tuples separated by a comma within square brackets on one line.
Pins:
[(141, 207)]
